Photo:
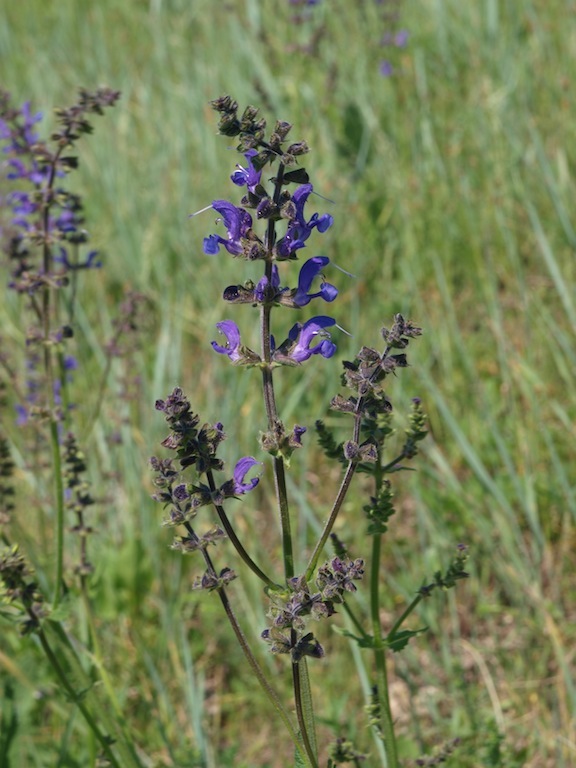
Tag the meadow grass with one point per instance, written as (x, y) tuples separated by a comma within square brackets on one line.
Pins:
[(451, 183)]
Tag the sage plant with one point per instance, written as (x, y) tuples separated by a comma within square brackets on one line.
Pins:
[(272, 225), (43, 241)]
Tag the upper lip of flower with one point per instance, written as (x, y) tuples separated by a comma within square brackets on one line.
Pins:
[(304, 334), (232, 333), (307, 274), (247, 176), (243, 466)]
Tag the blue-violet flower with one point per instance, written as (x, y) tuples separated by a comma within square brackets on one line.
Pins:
[(303, 335), (299, 229), (237, 222), (243, 466), (307, 274), (232, 333), (249, 177)]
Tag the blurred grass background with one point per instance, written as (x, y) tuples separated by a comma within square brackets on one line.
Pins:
[(452, 183)]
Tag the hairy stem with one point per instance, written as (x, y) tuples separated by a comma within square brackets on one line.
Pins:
[(341, 495), (269, 397), (237, 544), (247, 651), (304, 711), (339, 500)]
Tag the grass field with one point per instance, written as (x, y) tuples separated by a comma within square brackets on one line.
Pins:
[(451, 181)]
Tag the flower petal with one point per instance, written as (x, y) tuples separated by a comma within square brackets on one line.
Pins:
[(232, 333), (243, 466)]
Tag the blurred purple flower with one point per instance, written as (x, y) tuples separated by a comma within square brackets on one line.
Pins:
[(22, 137), (397, 39), (92, 260), (297, 433), (401, 38), (21, 415)]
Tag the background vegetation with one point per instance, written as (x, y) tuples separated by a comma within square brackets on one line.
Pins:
[(452, 183)]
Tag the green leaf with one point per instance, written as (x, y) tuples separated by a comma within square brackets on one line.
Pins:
[(9, 718), (400, 640), (299, 760)]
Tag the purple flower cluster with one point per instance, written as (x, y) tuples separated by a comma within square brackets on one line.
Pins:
[(46, 218), (43, 230), (296, 349), (196, 446), (394, 37), (304, 339)]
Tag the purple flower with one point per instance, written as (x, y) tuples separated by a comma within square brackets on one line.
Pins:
[(307, 274), (270, 289), (21, 415), (24, 137), (386, 69), (249, 177), (303, 335), (230, 330), (36, 174), (22, 206), (237, 222), (299, 198), (299, 229), (241, 469), (92, 260), (401, 38), (18, 170), (398, 39), (297, 432), (29, 120)]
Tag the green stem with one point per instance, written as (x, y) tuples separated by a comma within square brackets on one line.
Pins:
[(391, 464), (304, 710), (257, 670), (76, 699), (342, 491), (59, 493), (250, 658), (272, 410), (105, 678), (128, 755), (398, 623), (355, 621), (45, 313), (282, 499), (383, 691), (339, 500)]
